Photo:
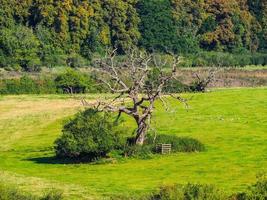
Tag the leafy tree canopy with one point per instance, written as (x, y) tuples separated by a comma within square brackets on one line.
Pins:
[(54, 29)]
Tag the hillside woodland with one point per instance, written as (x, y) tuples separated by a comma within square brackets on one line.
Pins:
[(51, 33)]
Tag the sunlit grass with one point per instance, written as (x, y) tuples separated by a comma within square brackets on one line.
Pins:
[(231, 123)]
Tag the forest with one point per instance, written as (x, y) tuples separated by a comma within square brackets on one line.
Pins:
[(50, 33)]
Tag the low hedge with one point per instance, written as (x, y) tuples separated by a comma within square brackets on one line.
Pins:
[(69, 82), (257, 191), (179, 144), (224, 59)]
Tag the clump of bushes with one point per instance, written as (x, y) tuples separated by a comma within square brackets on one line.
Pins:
[(89, 136), (224, 59), (189, 192), (72, 82), (92, 135), (8, 193), (69, 82), (179, 144), (75, 82), (28, 85), (137, 151), (176, 86), (257, 191)]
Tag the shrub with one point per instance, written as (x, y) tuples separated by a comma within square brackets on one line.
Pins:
[(46, 85), (189, 192), (258, 191), (28, 85), (8, 193), (179, 144), (176, 86), (23, 85), (137, 151), (87, 137), (71, 82), (198, 86), (52, 195)]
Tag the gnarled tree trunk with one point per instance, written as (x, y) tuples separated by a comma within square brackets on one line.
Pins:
[(141, 133), (139, 88)]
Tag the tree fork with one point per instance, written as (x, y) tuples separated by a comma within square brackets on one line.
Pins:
[(137, 95)]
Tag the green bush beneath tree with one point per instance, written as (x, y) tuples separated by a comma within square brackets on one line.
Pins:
[(89, 136), (179, 144)]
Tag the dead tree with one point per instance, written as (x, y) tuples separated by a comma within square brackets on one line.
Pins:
[(201, 82), (135, 92)]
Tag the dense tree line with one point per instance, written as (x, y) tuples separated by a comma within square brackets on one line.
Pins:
[(36, 33)]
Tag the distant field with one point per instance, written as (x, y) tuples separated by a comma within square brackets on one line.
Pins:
[(232, 123), (248, 76)]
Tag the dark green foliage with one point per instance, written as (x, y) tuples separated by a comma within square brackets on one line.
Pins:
[(176, 86), (223, 59), (70, 33), (73, 82), (28, 85), (208, 25), (70, 81), (137, 151), (198, 86), (76, 61), (179, 144), (20, 47), (89, 136), (157, 24), (51, 54), (122, 22)]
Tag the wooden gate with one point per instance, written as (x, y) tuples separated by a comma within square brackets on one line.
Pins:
[(164, 148)]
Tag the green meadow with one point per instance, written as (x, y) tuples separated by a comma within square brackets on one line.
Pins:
[(231, 123)]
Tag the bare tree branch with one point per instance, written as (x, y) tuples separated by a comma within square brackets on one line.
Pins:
[(136, 95)]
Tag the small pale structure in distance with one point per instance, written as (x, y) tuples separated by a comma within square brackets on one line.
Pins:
[(164, 148)]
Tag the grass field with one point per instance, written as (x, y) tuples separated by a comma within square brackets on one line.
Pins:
[(231, 123)]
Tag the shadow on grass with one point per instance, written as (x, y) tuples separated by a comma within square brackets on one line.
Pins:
[(53, 160), (56, 160)]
